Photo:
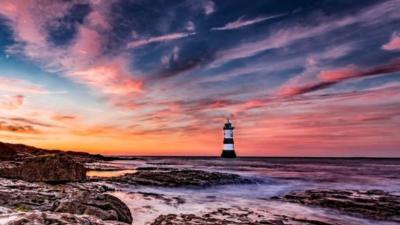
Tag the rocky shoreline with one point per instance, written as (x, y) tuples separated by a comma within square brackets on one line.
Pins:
[(40, 187)]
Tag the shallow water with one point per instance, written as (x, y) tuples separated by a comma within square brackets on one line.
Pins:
[(279, 176)]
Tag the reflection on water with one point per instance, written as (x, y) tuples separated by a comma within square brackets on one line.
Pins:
[(116, 173)]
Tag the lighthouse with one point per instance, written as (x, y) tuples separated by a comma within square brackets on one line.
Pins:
[(228, 150)]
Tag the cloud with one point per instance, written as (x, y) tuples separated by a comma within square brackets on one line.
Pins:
[(11, 102), (163, 38), (83, 59), (208, 6), (26, 121), (111, 77), (20, 86), (239, 23), (380, 13), (15, 128), (331, 77), (393, 44), (64, 118)]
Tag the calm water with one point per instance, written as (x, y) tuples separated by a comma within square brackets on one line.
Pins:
[(279, 176)]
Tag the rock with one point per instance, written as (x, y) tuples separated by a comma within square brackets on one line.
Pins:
[(6, 152), (80, 199), (237, 216), (372, 204), (180, 178), (103, 206), (45, 218), (47, 168)]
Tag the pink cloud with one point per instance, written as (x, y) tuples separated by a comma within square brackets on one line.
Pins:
[(393, 44), (332, 77), (339, 74), (83, 60), (20, 86), (109, 77), (88, 44)]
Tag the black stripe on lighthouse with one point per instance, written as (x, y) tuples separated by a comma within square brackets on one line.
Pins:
[(228, 140)]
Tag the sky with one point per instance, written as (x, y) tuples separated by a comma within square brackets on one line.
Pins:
[(297, 78)]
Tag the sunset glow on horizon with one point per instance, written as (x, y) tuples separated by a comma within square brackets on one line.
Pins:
[(297, 78)]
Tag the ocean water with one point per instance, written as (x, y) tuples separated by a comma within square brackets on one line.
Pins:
[(278, 175)]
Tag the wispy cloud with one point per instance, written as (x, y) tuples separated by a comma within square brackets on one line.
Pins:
[(241, 22), (377, 14), (20, 86), (163, 38), (332, 77)]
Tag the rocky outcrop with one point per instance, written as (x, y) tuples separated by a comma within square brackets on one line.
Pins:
[(168, 177), (373, 204), (75, 200), (103, 206), (20, 152), (45, 218), (47, 168)]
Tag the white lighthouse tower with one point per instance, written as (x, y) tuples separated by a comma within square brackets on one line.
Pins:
[(228, 150)]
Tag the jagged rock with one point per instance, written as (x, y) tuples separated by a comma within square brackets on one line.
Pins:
[(103, 206), (47, 168), (45, 218), (180, 178), (372, 204)]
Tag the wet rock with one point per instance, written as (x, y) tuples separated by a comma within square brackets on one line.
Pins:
[(47, 168), (232, 216), (45, 218), (78, 199), (372, 204), (103, 206), (180, 178)]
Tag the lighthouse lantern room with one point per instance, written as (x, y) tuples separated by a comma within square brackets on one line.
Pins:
[(228, 149)]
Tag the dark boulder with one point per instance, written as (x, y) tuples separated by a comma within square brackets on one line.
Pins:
[(7, 152), (103, 206), (47, 168)]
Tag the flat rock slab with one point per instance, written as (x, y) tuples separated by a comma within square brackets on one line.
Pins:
[(373, 204), (167, 177)]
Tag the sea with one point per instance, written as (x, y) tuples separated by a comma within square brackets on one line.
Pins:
[(277, 176)]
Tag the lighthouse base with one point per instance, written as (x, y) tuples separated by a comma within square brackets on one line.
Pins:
[(228, 154)]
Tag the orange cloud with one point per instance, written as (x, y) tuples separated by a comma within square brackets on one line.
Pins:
[(15, 128)]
